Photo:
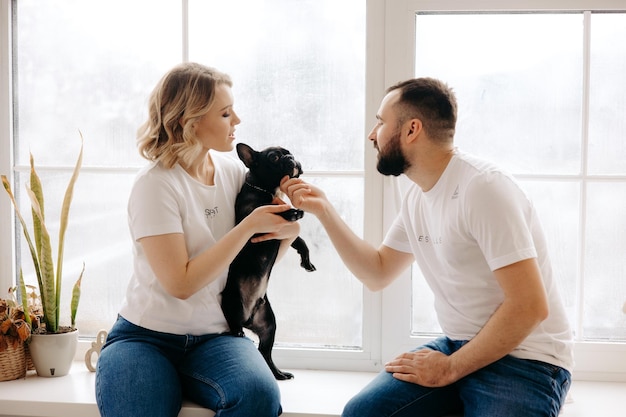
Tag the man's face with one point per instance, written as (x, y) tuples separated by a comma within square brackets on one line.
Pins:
[(391, 159), (386, 136)]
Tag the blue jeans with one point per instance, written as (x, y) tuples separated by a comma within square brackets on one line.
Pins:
[(510, 387), (141, 372)]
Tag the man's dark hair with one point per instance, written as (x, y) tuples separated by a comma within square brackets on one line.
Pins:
[(431, 101)]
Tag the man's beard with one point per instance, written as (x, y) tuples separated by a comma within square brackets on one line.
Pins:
[(391, 160)]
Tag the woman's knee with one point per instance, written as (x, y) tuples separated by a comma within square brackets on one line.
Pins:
[(239, 380), (263, 394), (247, 394), (129, 380)]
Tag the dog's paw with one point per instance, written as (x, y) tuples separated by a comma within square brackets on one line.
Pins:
[(292, 215), (306, 264), (281, 375)]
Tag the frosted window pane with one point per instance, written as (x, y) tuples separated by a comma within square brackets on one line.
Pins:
[(605, 265), (298, 69), (90, 66), (557, 204), (298, 74), (322, 308), (424, 320), (97, 235), (518, 81), (607, 112)]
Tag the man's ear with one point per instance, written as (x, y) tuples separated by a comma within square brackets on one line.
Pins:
[(413, 128)]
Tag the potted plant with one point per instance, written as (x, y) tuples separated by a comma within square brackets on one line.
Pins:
[(50, 335)]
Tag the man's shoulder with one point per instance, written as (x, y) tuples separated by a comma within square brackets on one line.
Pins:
[(476, 164)]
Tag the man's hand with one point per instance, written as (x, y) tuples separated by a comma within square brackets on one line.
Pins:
[(304, 196), (425, 367)]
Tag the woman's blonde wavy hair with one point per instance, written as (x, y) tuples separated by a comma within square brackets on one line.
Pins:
[(181, 97)]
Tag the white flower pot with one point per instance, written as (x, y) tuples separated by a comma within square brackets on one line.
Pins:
[(53, 354)]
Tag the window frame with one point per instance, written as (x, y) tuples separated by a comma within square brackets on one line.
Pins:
[(7, 237), (365, 359), (386, 315), (594, 360)]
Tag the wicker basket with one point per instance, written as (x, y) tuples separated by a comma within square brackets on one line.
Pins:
[(13, 362), (30, 366)]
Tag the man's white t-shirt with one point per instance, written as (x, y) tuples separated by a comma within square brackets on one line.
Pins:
[(475, 220), (164, 201)]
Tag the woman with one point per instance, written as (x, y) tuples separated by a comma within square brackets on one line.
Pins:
[(171, 339)]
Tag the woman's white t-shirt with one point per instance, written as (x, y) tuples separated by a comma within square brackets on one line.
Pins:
[(164, 201), (475, 220)]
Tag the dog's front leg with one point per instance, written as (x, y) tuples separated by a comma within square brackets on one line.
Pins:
[(303, 250)]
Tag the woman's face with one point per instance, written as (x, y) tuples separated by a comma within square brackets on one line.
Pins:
[(216, 129)]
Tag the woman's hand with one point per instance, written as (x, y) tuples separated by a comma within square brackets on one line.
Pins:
[(265, 219), (289, 231)]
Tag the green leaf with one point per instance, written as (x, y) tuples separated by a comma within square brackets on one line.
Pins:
[(35, 185), (41, 248), (76, 297), (65, 211), (48, 287), (24, 299), (31, 246)]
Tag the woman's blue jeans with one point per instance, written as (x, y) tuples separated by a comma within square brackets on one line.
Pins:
[(510, 387), (141, 372)]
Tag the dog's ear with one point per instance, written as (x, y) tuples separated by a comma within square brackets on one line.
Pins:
[(246, 154)]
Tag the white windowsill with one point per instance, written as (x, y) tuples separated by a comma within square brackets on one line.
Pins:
[(309, 394)]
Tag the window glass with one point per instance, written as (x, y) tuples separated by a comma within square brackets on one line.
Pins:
[(520, 96), (605, 263), (298, 72), (558, 208), (518, 82), (299, 82), (88, 66), (424, 319), (607, 95), (322, 308)]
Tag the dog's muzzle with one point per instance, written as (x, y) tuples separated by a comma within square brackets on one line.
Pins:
[(292, 167)]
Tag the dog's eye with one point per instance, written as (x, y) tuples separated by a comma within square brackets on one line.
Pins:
[(274, 157)]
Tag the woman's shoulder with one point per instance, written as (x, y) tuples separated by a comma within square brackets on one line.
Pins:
[(229, 166), (227, 160), (155, 176)]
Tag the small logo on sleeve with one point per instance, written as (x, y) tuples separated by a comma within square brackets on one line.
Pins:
[(455, 194), (430, 239)]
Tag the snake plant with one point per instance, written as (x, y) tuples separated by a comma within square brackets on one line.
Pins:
[(41, 249)]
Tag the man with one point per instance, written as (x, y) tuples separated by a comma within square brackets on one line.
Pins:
[(507, 345)]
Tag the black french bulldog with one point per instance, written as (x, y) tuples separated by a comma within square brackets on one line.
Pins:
[(244, 299)]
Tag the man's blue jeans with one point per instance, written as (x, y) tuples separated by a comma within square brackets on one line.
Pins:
[(141, 372), (510, 387)]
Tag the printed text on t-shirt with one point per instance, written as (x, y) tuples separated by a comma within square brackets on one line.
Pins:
[(210, 212)]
